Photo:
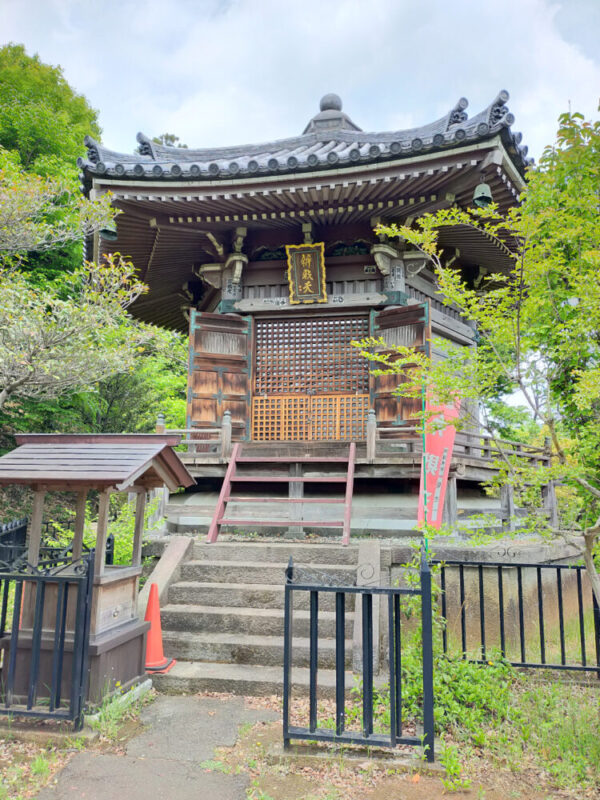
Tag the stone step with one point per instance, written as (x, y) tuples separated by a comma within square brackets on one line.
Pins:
[(243, 572), (251, 595), (188, 677), (279, 552), (234, 648), (251, 621)]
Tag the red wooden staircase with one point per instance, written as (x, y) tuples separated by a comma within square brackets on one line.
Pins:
[(231, 476)]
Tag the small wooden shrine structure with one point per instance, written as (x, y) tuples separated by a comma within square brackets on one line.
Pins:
[(267, 254), (81, 463)]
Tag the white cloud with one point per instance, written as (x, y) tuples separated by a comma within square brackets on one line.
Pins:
[(233, 71)]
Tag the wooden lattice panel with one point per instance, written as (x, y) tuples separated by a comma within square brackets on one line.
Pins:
[(303, 418), (310, 356)]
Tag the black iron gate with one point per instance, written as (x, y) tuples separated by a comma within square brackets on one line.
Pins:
[(44, 638), (302, 581)]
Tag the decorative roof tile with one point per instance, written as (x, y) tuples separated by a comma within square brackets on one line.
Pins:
[(330, 140)]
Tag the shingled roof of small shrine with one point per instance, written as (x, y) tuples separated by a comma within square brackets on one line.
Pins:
[(100, 460), (330, 140)]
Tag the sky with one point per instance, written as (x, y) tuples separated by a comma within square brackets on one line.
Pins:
[(225, 72)]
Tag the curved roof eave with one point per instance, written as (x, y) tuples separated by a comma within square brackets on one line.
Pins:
[(319, 149)]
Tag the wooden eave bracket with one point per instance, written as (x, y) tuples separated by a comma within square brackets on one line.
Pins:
[(238, 261), (384, 254), (211, 274)]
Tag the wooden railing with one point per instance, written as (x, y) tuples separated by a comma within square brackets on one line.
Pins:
[(215, 440), (408, 439)]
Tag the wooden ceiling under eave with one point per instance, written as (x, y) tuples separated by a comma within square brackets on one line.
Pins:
[(169, 228)]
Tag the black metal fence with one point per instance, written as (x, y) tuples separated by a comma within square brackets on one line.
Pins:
[(44, 639), (542, 616), (12, 540), (13, 536), (301, 581)]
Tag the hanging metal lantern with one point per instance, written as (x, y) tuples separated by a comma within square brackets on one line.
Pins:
[(109, 233), (482, 196)]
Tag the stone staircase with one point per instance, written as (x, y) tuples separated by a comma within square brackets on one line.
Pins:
[(224, 618)]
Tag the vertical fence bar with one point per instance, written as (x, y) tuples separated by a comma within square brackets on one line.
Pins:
[(581, 619), (501, 612), (427, 637), (540, 595), (78, 645), (398, 664), (340, 662), (36, 641), (314, 643), (3, 611), (596, 612), (392, 668), (561, 619), (463, 617), (58, 652), (367, 666), (482, 612), (521, 614), (444, 617), (287, 659), (14, 642), (62, 647)]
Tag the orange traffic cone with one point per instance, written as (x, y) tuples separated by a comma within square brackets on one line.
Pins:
[(155, 658)]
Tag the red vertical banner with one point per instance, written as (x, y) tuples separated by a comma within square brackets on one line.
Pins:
[(439, 443)]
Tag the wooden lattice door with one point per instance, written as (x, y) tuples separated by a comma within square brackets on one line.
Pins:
[(409, 326), (219, 373), (310, 383)]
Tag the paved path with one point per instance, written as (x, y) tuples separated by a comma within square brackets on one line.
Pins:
[(163, 761)]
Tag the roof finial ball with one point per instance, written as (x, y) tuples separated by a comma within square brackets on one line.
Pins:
[(331, 102)]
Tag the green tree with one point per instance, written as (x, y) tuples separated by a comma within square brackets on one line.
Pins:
[(59, 339), (169, 140), (538, 325), (41, 117), (43, 213)]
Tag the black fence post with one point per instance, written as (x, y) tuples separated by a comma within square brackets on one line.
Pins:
[(87, 588), (287, 652), (597, 632), (427, 635)]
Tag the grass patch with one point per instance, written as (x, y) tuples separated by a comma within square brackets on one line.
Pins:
[(552, 728)]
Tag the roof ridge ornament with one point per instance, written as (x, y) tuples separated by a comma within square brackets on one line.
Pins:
[(499, 113), (146, 145), (458, 113), (330, 117)]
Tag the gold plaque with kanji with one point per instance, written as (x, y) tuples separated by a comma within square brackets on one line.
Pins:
[(306, 273)]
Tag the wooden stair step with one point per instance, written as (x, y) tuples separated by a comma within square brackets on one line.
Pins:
[(278, 523), (278, 479), (319, 500)]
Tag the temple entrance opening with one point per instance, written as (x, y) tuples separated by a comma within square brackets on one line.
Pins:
[(310, 383)]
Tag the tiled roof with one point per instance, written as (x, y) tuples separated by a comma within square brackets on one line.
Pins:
[(330, 141)]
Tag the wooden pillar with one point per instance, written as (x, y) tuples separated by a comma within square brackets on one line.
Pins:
[(102, 532), (295, 491), (550, 504), (450, 513), (507, 506), (138, 531), (35, 527), (226, 435), (79, 524)]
